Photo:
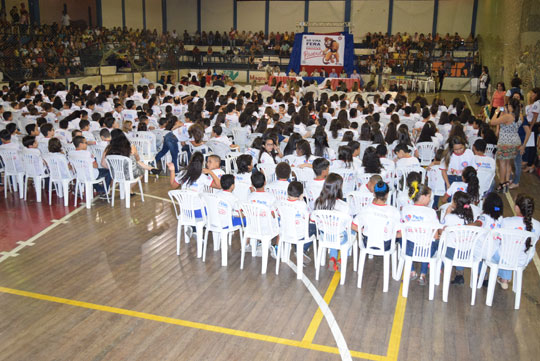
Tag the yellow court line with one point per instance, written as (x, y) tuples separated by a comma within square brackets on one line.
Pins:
[(189, 324), (397, 327), (317, 318)]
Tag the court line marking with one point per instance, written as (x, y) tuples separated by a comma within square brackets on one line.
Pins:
[(467, 100), (317, 318), (324, 310), (30, 241), (188, 324), (397, 327), (536, 260), (155, 197)]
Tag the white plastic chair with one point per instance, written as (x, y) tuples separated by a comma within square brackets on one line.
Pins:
[(185, 203), (34, 168), (463, 239), (269, 170), (403, 172), (485, 179), (218, 148), (426, 152), (331, 226), (60, 176), (357, 200), (84, 178), (510, 245), (477, 211), (13, 171), (219, 222), (241, 138), (279, 193), (490, 150), (68, 147), (421, 235), (144, 149), (260, 225), (378, 228), (150, 137), (121, 170), (303, 175), (97, 152), (289, 234), (230, 162)]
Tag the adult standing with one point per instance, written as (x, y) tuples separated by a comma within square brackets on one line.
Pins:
[(441, 73), (66, 20), (509, 144), (497, 99), (484, 83)]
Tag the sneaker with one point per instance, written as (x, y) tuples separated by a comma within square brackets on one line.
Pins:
[(155, 171), (414, 276), (258, 252), (248, 248), (103, 196), (504, 285), (458, 280), (274, 251), (422, 280), (306, 260)]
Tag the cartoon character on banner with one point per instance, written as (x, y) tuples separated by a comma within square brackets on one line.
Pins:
[(331, 52)]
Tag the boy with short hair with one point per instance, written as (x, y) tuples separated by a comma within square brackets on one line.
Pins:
[(81, 152), (217, 135), (405, 159), (213, 163), (321, 168), (226, 194), (259, 195), (482, 161), (283, 172), (295, 199)]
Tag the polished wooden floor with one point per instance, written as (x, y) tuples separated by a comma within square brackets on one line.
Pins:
[(106, 284)]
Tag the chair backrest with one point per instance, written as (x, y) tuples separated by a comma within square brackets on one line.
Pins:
[(120, 167), (490, 150), (349, 179), (426, 152), (68, 147), (463, 239), (485, 178), (218, 212), (43, 147), (421, 234), (364, 144), (12, 160), (219, 148), (477, 211), (240, 136), (357, 200), (143, 146), (331, 227), (254, 154), (84, 170), (186, 203), (403, 172), (58, 167), (304, 175), (97, 152), (203, 148), (150, 137), (279, 193), (269, 171), (510, 244), (259, 220), (33, 164), (378, 227), (230, 162), (293, 223)]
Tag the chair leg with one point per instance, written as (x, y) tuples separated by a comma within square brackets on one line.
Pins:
[(482, 275), (446, 280), (432, 271), (178, 236), (399, 271), (76, 195), (280, 253), (386, 271), (199, 230), (355, 255), (253, 244), (407, 265), (394, 265), (50, 191), (21, 181), (127, 192), (344, 258), (65, 190), (112, 194), (518, 280), (474, 280), (299, 261), (89, 194), (205, 242), (438, 275), (243, 241), (25, 190), (318, 260), (224, 248), (493, 270), (361, 264), (141, 190), (216, 240), (265, 245), (37, 186)]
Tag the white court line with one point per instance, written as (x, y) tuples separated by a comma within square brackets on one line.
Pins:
[(467, 100), (30, 241), (536, 259), (156, 197), (327, 313)]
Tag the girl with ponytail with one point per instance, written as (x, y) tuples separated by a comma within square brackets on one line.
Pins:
[(523, 220), (469, 184), (419, 211)]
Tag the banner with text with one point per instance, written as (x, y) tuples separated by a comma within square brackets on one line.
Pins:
[(323, 50)]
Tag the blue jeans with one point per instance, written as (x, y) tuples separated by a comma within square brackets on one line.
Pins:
[(503, 273), (454, 178), (517, 165), (170, 144), (103, 173), (436, 202)]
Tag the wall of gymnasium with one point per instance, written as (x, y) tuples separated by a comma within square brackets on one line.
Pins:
[(422, 16)]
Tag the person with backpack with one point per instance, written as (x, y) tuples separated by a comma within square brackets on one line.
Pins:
[(514, 91)]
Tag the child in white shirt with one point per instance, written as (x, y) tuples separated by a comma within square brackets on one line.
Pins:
[(405, 159), (321, 168)]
